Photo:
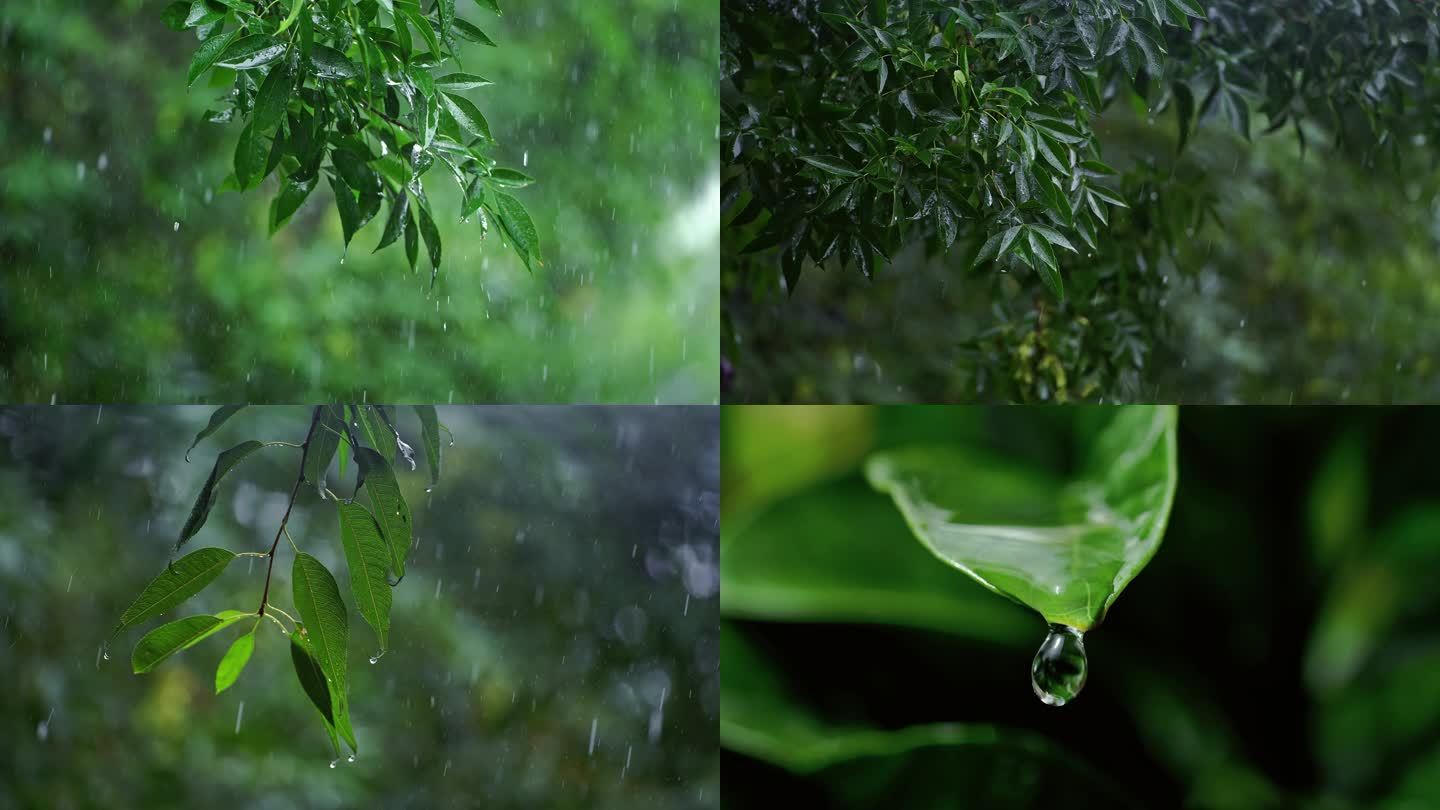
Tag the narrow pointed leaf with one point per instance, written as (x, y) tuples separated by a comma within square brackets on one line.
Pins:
[(332, 64), (391, 512), (312, 680), (183, 579), (234, 661), (327, 624), (369, 559), (465, 113), (462, 81), (399, 207), (207, 54), (295, 7), (1064, 546), (509, 178), (518, 227), (206, 501), (468, 31), (250, 52), (349, 210), (489, 5), (321, 451), (272, 99), (430, 438), (168, 639), (432, 238), (219, 417)]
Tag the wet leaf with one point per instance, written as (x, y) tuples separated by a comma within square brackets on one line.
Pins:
[(180, 580), (272, 99), (323, 442), (468, 31), (399, 208), (317, 597), (332, 64), (464, 112), (208, 53), (518, 227), (430, 438), (368, 558), (251, 52), (203, 504), (391, 512), (218, 418), (432, 239), (509, 178), (1065, 547), (312, 680), (462, 81)]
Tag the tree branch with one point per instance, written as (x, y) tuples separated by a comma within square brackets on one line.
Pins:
[(295, 490)]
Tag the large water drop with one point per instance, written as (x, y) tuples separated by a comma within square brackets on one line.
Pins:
[(1058, 672)]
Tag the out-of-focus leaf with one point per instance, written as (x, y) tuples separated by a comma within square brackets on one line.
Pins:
[(1066, 548), (430, 438), (218, 418)]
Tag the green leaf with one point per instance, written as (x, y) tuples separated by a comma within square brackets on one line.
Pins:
[(235, 660), (217, 418), (1066, 548), (292, 195), (323, 443), (317, 597), (1184, 112), (464, 112), (840, 552), (391, 512), (412, 239), (432, 239), (399, 207), (295, 7), (332, 64), (368, 558), (250, 153), (271, 101), (830, 164), (251, 52), (430, 438), (168, 639), (445, 10), (174, 15), (509, 178), (491, 6), (348, 209), (208, 52), (470, 32), (181, 580), (224, 463), (1044, 263), (312, 680), (515, 221), (462, 81), (422, 24), (1054, 237), (1188, 8)]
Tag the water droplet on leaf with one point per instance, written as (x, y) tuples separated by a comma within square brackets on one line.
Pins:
[(1058, 672), (350, 758), (334, 762)]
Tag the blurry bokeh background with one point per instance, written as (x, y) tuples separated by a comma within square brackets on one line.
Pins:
[(1281, 650), (129, 276), (553, 644)]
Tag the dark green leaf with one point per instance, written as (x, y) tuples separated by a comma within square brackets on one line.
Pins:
[(432, 239), (250, 153), (1184, 112), (295, 7), (321, 450), (327, 625), (272, 99), (235, 660), (174, 15), (203, 504), (209, 51), (412, 238), (292, 195), (491, 6), (515, 221), (350, 218), (217, 418), (830, 164), (332, 64), (1045, 262), (368, 558), (399, 207), (181, 580), (430, 438), (312, 680)]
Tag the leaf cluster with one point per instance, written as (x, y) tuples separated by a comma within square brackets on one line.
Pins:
[(355, 91)]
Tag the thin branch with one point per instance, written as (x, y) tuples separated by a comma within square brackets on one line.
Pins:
[(295, 490)]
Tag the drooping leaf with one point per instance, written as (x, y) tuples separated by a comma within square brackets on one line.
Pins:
[(466, 30), (272, 99), (206, 501), (1045, 264), (292, 195), (412, 239), (432, 239), (491, 6), (209, 51), (218, 418), (391, 511), (323, 442), (181, 580), (1066, 548), (327, 624), (312, 680), (235, 660), (347, 207), (509, 178), (168, 639), (518, 227), (430, 438), (368, 558), (399, 208)]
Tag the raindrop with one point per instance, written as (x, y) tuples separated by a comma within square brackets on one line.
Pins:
[(350, 758), (177, 225), (1058, 672), (103, 162), (375, 659), (105, 651), (239, 716), (594, 726), (334, 762), (525, 158)]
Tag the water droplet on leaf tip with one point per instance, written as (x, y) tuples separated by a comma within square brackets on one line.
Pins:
[(350, 758), (334, 762), (1058, 672)]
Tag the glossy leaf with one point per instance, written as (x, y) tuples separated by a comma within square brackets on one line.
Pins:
[(1065, 548), (391, 512), (272, 99), (462, 81), (180, 580), (208, 493), (321, 451), (464, 113), (509, 178), (235, 660), (210, 51), (368, 558), (332, 64), (399, 209), (327, 624), (218, 418), (432, 239), (430, 438), (467, 30), (253, 51), (312, 680), (518, 227)]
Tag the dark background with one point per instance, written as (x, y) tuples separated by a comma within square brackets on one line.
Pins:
[(1299, 536)]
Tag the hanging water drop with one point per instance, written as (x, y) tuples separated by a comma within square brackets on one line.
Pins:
[(350, 758), (334, 762), (1058, 673)]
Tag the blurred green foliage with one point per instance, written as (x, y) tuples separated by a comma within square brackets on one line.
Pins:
[(130, 275), (553, 644), (1279, 651)]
